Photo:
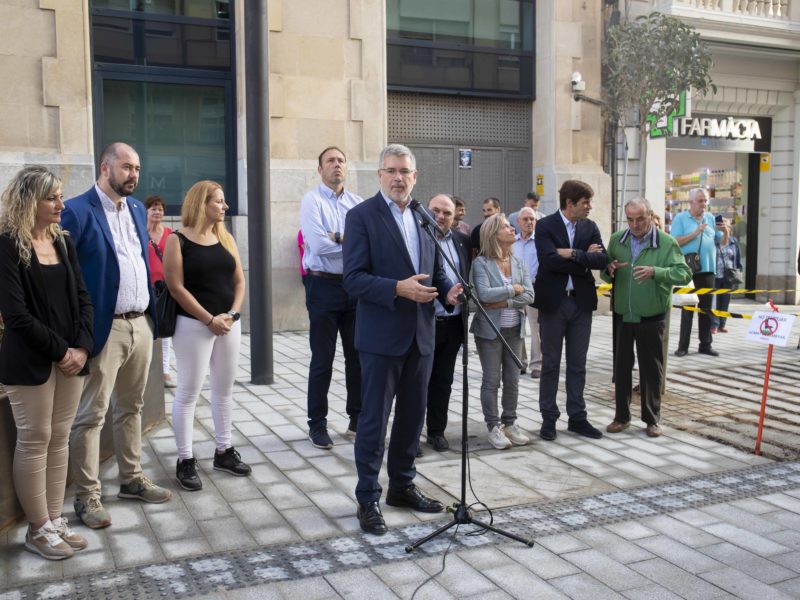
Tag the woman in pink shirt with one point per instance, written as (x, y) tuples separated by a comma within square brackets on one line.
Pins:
[(158, 239)]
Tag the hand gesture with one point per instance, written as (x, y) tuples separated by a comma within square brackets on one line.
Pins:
[(73, 361), (642, 273), (595, 248), (518, 289), (412, 290), (614, 265), (454, 293), (220, 324)]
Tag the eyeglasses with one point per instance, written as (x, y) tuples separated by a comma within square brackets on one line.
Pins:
[(405, 173)]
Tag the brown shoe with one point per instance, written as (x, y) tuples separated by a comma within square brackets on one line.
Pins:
[(616, 427), (653, 430)]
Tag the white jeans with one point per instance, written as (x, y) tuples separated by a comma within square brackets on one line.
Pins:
[(165, 344), (197, 349)]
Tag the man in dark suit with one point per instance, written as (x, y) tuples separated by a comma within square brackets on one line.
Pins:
[(568, 246), (449, 325), (109, 230), (391, 267)]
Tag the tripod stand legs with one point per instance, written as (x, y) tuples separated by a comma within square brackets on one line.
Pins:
[(463, 516)]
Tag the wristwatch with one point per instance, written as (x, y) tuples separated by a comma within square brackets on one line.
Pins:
[(574, 253), (234, 315), (337, 237)]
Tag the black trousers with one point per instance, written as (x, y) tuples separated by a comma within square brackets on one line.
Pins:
[(701, 280), (648, 337), (331, 313), (449, 336)]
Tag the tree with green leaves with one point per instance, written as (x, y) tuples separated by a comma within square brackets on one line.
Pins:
[(648, 62)]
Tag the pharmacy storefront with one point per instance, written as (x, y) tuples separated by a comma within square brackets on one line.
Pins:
[(727, 155)]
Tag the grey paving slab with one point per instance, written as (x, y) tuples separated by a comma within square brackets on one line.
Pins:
[(540, 561), (681, 532), (679, 554), (520, 583), (584, 587), (747, 540), (612, 546), (361, 583), (743, 586), (226, 533), (684, 584), (751, 564), (604, 569)]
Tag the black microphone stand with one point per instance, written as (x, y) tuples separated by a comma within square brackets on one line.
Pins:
[(462, 515)]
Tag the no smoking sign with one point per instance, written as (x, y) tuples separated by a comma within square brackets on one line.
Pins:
[(770, 328)]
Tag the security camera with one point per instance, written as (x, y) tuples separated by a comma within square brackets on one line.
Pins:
[(578, 84)]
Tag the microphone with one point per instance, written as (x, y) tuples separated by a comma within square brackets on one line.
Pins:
[(425, 216)]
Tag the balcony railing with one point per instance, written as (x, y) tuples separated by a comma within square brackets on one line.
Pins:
[(775, 9), (769, 23)]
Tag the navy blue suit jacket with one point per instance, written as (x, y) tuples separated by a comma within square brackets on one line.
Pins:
[(375, 259), (87, 224), (554, 271)]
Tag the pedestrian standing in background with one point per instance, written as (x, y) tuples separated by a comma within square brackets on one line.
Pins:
[(46, 343), (158, 233), (695, 231), (490, 206), (525, 250), (458, 221), (204, 274), (728, 274), (331, 312), (449, 325)]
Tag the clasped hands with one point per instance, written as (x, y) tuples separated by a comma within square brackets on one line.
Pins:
[(73, 361), (413, 290), (221, 324)]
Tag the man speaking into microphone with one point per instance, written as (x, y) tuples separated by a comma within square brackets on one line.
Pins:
[(391, 267)]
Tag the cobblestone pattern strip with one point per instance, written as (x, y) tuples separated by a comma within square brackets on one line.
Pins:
[(245, 568)]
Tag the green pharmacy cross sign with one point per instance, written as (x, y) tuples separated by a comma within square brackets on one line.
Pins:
[(667, 129)]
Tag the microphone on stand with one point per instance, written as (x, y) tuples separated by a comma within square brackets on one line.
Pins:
[(425, 216)]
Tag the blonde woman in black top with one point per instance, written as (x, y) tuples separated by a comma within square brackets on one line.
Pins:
[(48, 315), (204, 274)]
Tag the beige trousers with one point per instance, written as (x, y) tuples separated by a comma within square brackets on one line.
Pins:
[(43, 415), (536, 343), (121, 367)]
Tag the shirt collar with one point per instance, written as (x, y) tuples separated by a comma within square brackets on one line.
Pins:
[(329, 193), (107, 202), (567, 222), (392, 203)]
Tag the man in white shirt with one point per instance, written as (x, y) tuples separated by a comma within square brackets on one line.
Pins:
[(331, 312), (525, 250)]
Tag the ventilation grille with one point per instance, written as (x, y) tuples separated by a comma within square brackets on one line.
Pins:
[(427, 118)]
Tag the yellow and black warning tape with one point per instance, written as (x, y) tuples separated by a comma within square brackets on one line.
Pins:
[(719, 313), (606, 287)]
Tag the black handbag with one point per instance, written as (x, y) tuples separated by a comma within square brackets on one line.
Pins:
[(693, 258), (166, 307), (733, 276)]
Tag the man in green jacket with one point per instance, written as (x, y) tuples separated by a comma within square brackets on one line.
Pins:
[(645, 263)]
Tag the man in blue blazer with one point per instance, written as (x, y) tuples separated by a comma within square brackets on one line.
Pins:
[(392, 269), (109, 230), (569, 247)]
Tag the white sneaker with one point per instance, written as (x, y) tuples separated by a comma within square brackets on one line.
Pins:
[(515, 435), (498, 439), (47, 543), (62, 528)]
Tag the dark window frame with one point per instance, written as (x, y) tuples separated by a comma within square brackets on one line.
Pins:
[(400, 42), (225, 79)]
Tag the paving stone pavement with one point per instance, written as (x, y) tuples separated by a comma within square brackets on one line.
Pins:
[(683, 516)]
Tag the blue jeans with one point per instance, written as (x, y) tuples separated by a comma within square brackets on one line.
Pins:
[(497, 363), (723, 302)]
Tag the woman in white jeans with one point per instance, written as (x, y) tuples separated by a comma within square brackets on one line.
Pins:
[(203, 273), (503, 286)]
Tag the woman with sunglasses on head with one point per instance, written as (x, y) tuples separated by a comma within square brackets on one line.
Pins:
[(47, 314)]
